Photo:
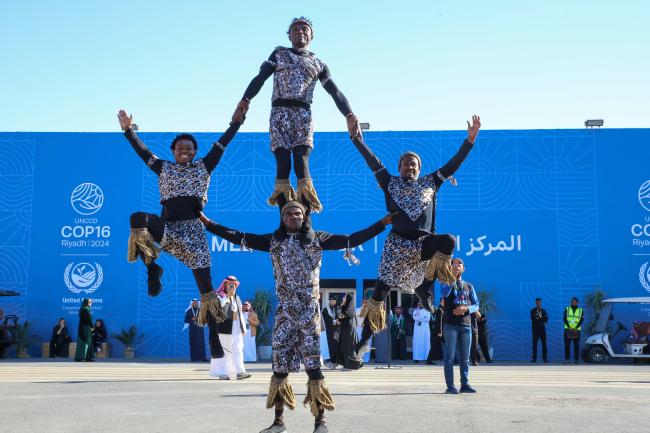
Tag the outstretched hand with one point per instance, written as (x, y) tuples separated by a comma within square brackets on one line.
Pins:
[(126, 121), (472, 130), (240, 112), (353, 126), (388, 219)]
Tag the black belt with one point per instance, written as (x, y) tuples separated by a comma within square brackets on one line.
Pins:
[(290, 103)]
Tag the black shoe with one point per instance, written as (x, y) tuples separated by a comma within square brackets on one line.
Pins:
[(489, 361), (451, 390), (416, 362), (546, 361), (321, 428), (467, 389), (154, 277), (576, 362), (431, 363), (533, 360), (275, 428), (425, 297)]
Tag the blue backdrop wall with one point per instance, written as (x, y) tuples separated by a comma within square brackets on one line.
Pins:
[(549, 213)]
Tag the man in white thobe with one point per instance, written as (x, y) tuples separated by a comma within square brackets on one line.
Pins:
[(231, 334), (421, 334), (251, 323)]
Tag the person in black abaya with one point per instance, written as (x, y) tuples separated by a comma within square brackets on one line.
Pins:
[(197, 333), (60, 341), (437, 340), (100, 335), (84, 351), (348, 338), (330, 318)]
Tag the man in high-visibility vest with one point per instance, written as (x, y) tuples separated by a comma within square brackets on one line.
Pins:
[(573, 317)]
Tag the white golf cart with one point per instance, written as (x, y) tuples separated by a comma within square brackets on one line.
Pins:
[(597, 347)]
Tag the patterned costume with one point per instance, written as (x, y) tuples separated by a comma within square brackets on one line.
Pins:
[(296, 72), (178, 231), (413, 255), (296, 260)]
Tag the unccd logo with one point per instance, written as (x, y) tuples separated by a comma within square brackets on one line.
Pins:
[(644, 195), (640, 230), (87, 198), (644, 276), (83, 277)]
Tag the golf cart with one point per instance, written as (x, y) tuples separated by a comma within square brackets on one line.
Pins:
[(598, 348), (7, 329)]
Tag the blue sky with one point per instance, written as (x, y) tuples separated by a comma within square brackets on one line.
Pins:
[(409, 65)]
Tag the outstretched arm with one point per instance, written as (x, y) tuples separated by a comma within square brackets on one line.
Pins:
[(341, 102), (378, 169), (454, 163), (256, 242), (219, 147), (336, 242), (126, 123), (266, 70), (339, 99)]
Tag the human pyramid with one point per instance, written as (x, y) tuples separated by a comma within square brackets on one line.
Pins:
[(413, 255)]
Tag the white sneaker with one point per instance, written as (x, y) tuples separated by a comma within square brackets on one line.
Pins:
[(362, 351)]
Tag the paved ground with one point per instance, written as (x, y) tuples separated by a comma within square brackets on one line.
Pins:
[(178, 397)]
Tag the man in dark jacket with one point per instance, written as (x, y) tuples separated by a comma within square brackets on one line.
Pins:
[(538, 320)]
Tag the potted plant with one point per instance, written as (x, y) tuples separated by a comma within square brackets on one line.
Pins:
[(487, 304), (594, 304), (262, 306), (129, 338), (23, 339)]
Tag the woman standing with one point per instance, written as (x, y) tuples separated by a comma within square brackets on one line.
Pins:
[(348, 338), (84, 333), (60, 341)]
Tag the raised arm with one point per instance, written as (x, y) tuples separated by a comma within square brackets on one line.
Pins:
[(454, 163), (219, 147), (126, 123), (378, 169), (255, 242), (336, 242)]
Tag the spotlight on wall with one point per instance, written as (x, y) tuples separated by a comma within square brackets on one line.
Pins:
[(590, 123), (364, 126)]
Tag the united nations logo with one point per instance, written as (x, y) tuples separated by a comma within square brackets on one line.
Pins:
[(83, 277), (644, 276), (87, 198), (644, 195)]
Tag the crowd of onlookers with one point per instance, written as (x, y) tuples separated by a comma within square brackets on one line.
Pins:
[(90, 336)]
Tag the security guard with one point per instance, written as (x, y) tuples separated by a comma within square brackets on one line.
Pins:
[(573, 317)]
